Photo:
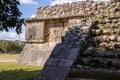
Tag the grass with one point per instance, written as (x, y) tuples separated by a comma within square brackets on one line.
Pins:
[(12, 71), (9, 56)]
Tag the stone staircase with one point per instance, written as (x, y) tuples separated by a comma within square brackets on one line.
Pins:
[(63, 56), (81, 56), (97, 66), (101, 59)]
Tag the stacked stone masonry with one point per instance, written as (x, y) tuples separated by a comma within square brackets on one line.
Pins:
[(64, 24), (63, 56), (81, 8)]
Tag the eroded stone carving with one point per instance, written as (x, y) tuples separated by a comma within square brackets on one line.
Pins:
[(35, 32)]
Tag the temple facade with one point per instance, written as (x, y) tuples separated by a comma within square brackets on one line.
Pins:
[(52, 22)]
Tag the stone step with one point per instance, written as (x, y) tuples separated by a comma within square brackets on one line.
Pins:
[(99, 74), (99, 53), (80, 79), (100, 62)]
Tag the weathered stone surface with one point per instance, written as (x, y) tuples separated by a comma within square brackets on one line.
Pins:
[(63, 56), (117, 46), (53, 73), (58, 48), (65, 63), (118, 39), (61, 51), (99, 74), (106, 32), (84, 8), (113, 38), (73, 54), (74, 21), (35, 32), (99, 32), (52, 62), (35, 54)]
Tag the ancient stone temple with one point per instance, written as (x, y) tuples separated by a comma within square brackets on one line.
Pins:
[(74, 41)]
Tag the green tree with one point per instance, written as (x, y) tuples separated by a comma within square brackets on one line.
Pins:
[(11, 46), (10, 16)]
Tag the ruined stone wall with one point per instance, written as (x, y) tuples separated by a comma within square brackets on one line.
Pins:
[(55, 29), (35, 54), (35, 31), (52, 22), (82, 8)]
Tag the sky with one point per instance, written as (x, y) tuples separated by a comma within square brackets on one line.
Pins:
[(28, 9)]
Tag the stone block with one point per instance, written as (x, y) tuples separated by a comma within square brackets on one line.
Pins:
[(57, 49), (73, 53), (64, 53), (61, 51), (45, 46), (88, 23), (85, 27), (34, 32), (117, 46), (54, 73), (52, 62), (84, 36), (65, 63)]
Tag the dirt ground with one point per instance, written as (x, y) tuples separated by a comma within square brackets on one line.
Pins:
[(7, 60)]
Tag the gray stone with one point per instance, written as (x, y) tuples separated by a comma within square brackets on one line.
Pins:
[(66, 38), (77, 43), (58, 48), (78, 66), (53, 73), (63, 53), (84, 36), (73, 54), (117, 46), (65, 63), (75, 37), (52, 62), (93, 32)]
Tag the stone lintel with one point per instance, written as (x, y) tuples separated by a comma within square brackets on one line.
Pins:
[(54, 17)]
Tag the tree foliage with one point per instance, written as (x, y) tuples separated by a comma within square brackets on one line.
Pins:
[(10, 16), (11, 46)]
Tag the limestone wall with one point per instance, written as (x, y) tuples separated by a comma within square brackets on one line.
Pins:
[(82, 8), (52, 22), (35, 31), (64, 54), (35, 54), (55, 29)]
